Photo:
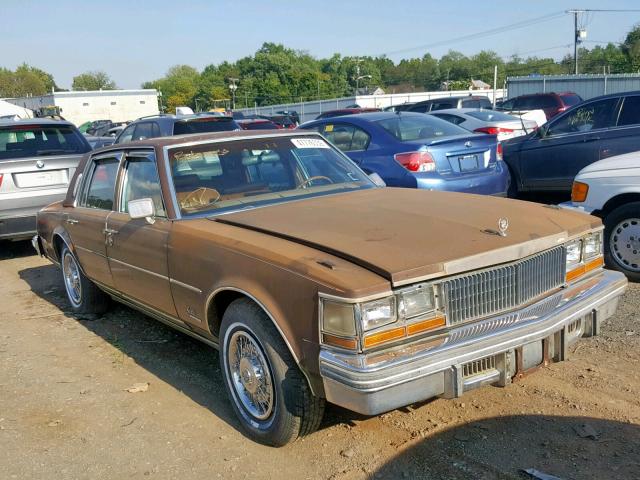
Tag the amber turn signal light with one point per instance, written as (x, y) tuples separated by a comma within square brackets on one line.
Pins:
[(348, 343), (579, 192), (375, 339), (584, 268)]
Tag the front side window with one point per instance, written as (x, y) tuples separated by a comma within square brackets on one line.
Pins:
[(630, 113), (584, 118), (101, 185), (127, 134), (141, 181), (347, 138), (218, 176)]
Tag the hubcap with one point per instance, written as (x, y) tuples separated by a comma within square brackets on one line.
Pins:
[(250, 375), (71, 274), (625, 244)]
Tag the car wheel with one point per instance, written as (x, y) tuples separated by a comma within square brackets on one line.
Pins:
[(84, 296), (269, 393), (622, 240)]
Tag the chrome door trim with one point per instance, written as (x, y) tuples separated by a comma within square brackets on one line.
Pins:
[(140, 269), (185, 286)]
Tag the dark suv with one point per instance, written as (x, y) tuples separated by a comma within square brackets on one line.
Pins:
[(469, 101), (551, 103), (169, 125)]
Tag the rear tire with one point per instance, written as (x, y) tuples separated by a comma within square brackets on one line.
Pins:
[(84, 296), (268, 392), (622, 240)]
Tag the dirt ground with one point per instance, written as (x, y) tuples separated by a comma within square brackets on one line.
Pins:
[(65, 412)]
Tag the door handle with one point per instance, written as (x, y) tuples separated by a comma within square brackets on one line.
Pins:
[(72, 221), (591, 139), (109, 231)]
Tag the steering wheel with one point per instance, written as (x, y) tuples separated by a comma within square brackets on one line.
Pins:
[(200, 197), (311, 179)]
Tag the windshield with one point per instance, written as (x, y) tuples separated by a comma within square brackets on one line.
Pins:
[(205, 125), (491, 116), (419, 127), (220, 176), (21, 141)]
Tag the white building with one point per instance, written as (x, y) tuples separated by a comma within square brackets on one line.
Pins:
[(82, 106)]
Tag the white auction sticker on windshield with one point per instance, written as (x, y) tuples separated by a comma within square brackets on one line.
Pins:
[(309, 143)]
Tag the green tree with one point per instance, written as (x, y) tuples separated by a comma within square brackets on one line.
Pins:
[(631, 48), (97, 80), (26, 80)]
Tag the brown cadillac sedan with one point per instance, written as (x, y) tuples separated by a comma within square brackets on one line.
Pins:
[(315, 283)]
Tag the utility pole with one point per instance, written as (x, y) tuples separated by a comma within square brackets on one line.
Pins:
[(233, 87), (575, 42), (495, 84)]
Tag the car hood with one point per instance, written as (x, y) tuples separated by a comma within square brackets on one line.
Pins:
[(408, 235), (620, 162)]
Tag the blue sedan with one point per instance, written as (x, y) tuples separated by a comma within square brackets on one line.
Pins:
[(414, 150)]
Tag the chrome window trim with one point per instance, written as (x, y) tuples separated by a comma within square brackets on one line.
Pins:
[(88, 176)]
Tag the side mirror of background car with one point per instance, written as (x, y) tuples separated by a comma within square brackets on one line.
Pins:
[(377, 179), (142, 208)]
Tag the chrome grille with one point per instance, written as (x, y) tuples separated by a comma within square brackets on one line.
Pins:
[(497, 289)]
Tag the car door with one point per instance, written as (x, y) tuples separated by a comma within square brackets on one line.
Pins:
[(87, 221), (551, 158), (137, 248), (624, 137)]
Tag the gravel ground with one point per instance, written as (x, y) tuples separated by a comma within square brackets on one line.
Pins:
[(65, 411)]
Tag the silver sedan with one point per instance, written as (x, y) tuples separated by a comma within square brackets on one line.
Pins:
[(487, 121)]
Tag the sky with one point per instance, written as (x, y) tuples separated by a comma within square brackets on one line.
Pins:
[(139, 40)]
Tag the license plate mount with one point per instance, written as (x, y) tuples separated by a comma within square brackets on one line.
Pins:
[(468, 163)]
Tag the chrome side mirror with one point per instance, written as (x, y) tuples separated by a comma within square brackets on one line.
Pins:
[(142, 208), (377, 179)]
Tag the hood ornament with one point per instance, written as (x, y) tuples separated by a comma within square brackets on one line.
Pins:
[(503, 226)]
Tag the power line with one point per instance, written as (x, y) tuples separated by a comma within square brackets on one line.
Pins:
[(486, 33)]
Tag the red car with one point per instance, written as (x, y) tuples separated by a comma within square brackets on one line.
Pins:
[(345, 111), (551, 103)]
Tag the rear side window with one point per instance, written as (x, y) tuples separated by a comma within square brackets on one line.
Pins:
[(586, 117), (418, 127), (102, 184), (420, 108), (443, 105), (630, 114), (538, 102), (347, 138), (455, 119), (571, 100), (477, 103), (206, 125), (20, 141), (146, 130)]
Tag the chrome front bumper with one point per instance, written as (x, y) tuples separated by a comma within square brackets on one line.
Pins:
[(490, 351)]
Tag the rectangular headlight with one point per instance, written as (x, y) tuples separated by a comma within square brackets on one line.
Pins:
[(338, 318), (574, 253), (378, 313), (416, 302), (592, 245)]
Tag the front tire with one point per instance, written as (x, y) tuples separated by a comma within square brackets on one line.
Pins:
[(622, 240), (268, 392), (84, 296)]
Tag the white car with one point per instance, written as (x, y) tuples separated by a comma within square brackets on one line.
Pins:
[(610, 189)]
